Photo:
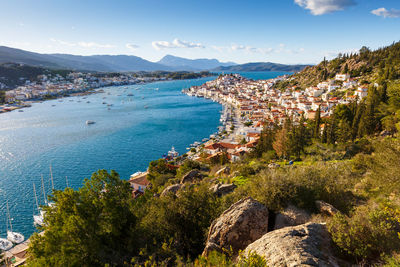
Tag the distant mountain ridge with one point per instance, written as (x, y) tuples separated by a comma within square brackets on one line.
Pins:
[(117, 63), (192, 64), (262, 66)]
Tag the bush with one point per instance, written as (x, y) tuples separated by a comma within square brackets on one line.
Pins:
[(371, 231)]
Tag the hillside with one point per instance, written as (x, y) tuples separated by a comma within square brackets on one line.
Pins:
[(192, 64), (12, 74), (261, 66), (379, 65)]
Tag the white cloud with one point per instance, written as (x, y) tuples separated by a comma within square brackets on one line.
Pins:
[(320, 7), (82, 44), (176, 43), (383, 12), (132, 47)]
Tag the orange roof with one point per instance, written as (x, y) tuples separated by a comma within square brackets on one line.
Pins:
[(140, 179)]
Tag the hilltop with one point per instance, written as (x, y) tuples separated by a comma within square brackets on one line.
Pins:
[(262, 66)]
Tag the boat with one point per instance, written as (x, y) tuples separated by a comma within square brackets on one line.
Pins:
[(53, 105), (173, 153), (5, 244), (20, 110), (146, 106), (38, 219), (104, 103), (129, 94), (12, 236), (90, 122)]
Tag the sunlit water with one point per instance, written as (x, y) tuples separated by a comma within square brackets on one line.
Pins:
[(135, 130)]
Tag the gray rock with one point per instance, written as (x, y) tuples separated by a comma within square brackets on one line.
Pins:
[(191, 176), (326, 208), (225, 170), (303, 245), (241, 224), (291, 216), (173, 189), (223, 189)]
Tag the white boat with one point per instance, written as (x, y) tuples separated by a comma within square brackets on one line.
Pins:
[(14, 237), (173, 153), (90, 122), (5, 244), (38, 219)]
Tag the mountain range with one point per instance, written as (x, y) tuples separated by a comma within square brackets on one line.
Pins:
[(116, 63)]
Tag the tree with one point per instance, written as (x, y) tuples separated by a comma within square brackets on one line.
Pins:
[(280, 143), (93, 226), (317, 123), (2, 97)]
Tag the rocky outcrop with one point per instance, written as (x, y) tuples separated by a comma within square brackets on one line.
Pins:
[(222, 189), (172, 189), (241, 224), (191, 176), (303, 245), (291, 216), (326, 208), (225, 170)]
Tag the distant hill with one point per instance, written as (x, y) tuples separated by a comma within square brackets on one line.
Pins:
[(105, 63), (111, 63), (262, 66), (192, 64)]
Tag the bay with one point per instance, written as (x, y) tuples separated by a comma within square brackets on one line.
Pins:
[(125, 137)]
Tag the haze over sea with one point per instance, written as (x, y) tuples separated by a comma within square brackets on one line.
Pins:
[(125, 138)]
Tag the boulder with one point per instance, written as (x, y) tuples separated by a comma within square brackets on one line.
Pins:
[(241, 224), (291, 216), (173, 189), (303, 245), (222, 189), (325, 208), (191, 176), (225, 170)]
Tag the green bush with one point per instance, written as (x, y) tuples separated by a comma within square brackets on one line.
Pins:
[(371, 231)]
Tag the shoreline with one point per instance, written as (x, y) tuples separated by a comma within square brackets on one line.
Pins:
[(9, 107)]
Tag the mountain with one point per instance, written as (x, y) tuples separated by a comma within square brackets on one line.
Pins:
[(87, 63), (111, 63), (262, 66), (192, 64)]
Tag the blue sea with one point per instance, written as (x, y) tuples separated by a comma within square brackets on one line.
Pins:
[(125, 137)]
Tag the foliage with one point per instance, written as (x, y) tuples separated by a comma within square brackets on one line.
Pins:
[(371, 231), (93, 226), (160, 172), (187, 166), (180, 221)]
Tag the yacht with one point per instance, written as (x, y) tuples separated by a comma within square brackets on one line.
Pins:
[(5, 244), (14, 237), (38, 219), (129, 94), (90, 122)]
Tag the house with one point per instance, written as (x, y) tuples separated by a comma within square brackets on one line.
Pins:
[(139, 181), (342, 77), (361, 92)]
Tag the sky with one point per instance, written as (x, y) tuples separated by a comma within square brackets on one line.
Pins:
[(282, 31)]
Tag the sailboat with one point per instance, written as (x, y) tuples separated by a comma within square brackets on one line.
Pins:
[(5, 244), (13, 236), (38, 219)]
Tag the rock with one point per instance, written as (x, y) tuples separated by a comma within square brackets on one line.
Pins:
[(291, 216), (222, 189), (241, 224), (225, 170), (303, 245), (273, 165), (171, 189), (384, 133), (191, 176), (326, 208)]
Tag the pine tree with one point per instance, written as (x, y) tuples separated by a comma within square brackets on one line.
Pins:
[(316, 133)]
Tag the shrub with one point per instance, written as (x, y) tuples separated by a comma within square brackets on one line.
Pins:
[(371, 231)]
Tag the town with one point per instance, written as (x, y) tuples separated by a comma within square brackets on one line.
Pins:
[(55, 85), (250, 105)]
